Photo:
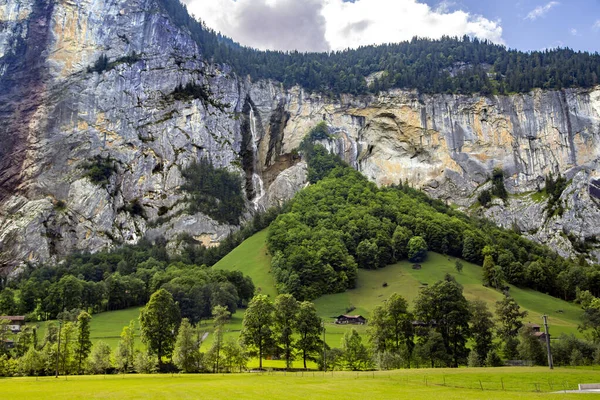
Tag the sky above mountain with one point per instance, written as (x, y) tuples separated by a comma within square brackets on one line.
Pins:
[(322, 25)]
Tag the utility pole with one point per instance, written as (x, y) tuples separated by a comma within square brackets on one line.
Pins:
[(324, 360), (550, 363), (58, 347)]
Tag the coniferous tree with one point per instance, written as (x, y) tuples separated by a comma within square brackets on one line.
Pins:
[(84, 343)]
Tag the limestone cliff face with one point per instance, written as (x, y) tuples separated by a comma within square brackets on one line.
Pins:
[(57, 114), (448, 145)]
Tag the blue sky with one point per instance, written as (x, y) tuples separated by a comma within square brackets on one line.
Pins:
[(567, 23), (324, 25)]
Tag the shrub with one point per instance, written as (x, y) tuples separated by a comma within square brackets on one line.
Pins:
[(484, 198), (99, 170), (498, 188), (493, 359)]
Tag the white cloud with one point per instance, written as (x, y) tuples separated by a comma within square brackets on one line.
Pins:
[(540, 11), (317, 25), (596, 24), (574, 32)]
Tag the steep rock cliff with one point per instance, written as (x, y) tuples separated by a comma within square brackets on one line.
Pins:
[(60, 108)]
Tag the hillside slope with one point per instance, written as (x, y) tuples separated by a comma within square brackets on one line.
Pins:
[(250, 258)]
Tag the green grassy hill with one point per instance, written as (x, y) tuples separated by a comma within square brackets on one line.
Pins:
[(251, 258), (106, 326)]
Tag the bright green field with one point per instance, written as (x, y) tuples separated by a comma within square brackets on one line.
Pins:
[(106, 326), (519, 383)]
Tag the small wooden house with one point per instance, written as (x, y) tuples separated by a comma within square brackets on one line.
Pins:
[(14, 322), (537, 331), (351, 319)]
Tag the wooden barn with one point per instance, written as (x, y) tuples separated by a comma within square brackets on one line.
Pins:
[(351, 319)]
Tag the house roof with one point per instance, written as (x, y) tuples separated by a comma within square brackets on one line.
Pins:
[(352, 316), (533, 325), (12, 318)]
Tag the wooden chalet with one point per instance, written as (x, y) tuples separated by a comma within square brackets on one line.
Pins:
[(351, 319), (537, 331), (14, 322)]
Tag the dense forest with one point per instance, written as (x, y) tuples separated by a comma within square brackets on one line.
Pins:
[(448, 65), (343, 222)]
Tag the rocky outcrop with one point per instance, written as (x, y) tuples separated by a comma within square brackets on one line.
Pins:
[(60, 108)]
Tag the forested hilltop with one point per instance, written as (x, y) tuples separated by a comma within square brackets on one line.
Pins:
[(448, 65), (343, 222)]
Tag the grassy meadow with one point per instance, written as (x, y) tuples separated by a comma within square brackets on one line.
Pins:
[(463, 383), (251, 258)]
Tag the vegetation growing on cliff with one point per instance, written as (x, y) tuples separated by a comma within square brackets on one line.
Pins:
[(215, 192), (448, 65), (99, 170), (102, 64), (195, 91)]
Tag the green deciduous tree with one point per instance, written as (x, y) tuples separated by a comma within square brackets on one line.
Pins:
[(220, 317), (100, 359), (125, 354), (257, 332), (432, 349), (482, 328), (186, 354), (66, 348), (309, 327), (530, 348), (590, 319), (356, 356), (443, 306), (400, 240), (390, 328), (417, 249), (234, 356), (159, 322), (458, 266), (510, 320), (284, 322)]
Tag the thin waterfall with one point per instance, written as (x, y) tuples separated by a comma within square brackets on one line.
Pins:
[(257, 182)]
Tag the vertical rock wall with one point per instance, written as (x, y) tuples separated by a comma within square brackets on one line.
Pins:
[(57, 114)]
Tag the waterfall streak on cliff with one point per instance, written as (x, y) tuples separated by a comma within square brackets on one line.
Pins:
[(257, 181)]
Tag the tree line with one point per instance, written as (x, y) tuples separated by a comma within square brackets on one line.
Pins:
[(197, 288), (447, 65), (126, 276), (442, 329)]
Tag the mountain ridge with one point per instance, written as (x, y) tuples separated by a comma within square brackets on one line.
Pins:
[(129, 112)]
